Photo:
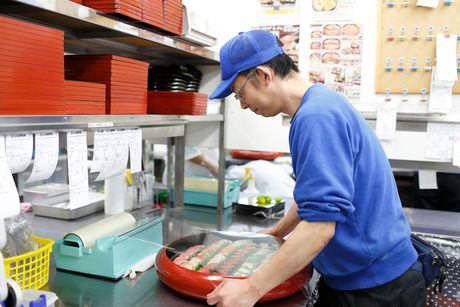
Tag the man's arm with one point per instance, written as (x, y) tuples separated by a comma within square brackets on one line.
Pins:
[(204, 161), (285, 225), (305, 243)]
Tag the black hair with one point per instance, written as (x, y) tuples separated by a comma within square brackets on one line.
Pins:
[(282, 65)]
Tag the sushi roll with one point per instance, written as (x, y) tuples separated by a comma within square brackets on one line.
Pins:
[(189, 253)]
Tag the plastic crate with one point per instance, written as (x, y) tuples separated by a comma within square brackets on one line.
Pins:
[(31, 270), (209, 199)]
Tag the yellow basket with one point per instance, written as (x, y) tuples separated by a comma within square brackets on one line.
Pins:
[(31, 270)]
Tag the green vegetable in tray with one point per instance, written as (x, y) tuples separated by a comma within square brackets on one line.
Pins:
[(278, 200), (264, 200)]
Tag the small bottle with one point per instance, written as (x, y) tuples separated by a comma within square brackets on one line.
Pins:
[(251, 191)]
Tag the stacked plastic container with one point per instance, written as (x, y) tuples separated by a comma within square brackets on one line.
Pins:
[(125, 80), (84, 98), (32, 69), (126, 8), (173, 16), (152, 13), (180, 103)]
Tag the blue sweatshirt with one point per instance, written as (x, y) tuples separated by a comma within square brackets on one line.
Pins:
[(344, 176)]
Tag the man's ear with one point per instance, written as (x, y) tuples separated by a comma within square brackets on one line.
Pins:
[(264, 74)]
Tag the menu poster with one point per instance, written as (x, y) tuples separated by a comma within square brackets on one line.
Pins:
[(289, 36), (336, 57), (323, 10)]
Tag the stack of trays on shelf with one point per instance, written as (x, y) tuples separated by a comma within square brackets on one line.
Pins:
[(173, 16), (84, 98), (125, 8), (175, 78), (32, 69), (152, 13), (125, 80), (180, 103)]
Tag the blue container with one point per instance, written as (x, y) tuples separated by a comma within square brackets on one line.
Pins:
[(209, 199)]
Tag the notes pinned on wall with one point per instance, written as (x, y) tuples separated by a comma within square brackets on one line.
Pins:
[(440, 94), (386, 120), (18, 149), (45, 157), (428, 3), (77, 163), (439, 143), (446, 56)]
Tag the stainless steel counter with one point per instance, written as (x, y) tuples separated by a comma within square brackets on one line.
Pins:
[(147, 289)]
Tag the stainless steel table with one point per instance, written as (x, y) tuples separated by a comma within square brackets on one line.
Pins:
[(147, 289)]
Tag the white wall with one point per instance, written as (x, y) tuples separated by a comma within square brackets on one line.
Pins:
[(245, 130)]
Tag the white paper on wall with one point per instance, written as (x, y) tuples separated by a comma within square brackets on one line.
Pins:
[(439, 143), (427, 180), (77, 162), (386, 120), (446, 57), (135, 150), (46, 156), (440, 94), (428, 3), (18, 149), (116, 153), (9, 198)]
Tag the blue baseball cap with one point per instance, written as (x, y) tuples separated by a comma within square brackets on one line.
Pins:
[(245, 51)]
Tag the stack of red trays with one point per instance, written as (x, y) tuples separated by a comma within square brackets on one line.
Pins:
[(173, 16), (178, 103), (31, 69), (84, 98), (126, 8), (125, 80), (152, 12)]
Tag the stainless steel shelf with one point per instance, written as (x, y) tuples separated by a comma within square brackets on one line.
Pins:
[(424, 118), (90, 31), (92, 122), (198, 118)]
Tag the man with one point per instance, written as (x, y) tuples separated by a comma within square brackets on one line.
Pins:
[(348, 220)]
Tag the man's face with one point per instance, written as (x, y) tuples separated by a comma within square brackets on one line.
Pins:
[(253, 94)]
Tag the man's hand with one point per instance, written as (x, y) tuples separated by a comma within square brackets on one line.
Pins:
[(234, 292), (269, 231)]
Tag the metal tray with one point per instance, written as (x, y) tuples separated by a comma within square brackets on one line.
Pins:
[(59, 211)]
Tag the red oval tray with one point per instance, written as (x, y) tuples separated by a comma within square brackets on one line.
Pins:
[(198, 285)]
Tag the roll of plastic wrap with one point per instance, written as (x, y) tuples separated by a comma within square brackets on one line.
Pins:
[(115, 224)]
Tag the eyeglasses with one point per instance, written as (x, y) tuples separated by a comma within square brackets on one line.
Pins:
[(238, 94)]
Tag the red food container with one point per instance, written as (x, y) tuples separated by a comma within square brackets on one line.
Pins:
[(173, 16), (177, 103), (198, 285), (32, 69), (84, 98), (124, 8), (125, 80)]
